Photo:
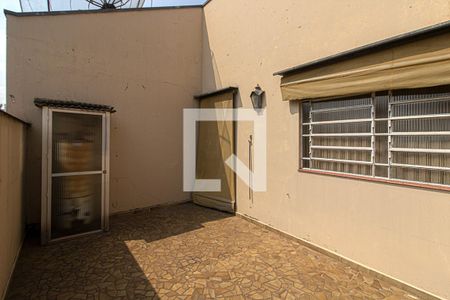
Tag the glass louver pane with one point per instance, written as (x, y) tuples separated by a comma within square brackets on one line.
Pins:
[(381, 171), (360, 127), (422, 159), (381, 105), (342, 114), (342, 135), (345, 154), (422, 142), (421, 125), (344, 141), (341, 154), (305, 129), (420, 175), (381, 149), (305, 147), (343, 103), (381, 126), (305, 164), (306, 107), (421, 111), (342, 167)]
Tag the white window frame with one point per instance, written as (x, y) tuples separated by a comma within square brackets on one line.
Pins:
[(372, 134)]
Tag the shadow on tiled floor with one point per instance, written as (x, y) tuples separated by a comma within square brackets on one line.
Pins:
[(101, 265), (186, 251)]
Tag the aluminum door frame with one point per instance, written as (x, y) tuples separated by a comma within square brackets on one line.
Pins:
[(47, 175)]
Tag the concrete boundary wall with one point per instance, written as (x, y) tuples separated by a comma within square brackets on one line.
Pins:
[(12, 171), (147, 64)]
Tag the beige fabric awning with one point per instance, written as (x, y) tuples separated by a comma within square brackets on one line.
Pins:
[(416, 64)]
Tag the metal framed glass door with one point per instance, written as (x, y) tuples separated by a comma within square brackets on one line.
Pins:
[(77, 151)]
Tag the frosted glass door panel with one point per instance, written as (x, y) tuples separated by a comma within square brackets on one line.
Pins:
[(77, 173), (77, 142), (76, 204)]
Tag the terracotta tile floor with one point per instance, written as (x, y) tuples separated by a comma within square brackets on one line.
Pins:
[(186, 251)]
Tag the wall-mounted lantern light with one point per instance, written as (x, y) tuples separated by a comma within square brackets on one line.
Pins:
[(257, 96)]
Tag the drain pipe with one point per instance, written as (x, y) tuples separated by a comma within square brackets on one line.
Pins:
[(250, 167)]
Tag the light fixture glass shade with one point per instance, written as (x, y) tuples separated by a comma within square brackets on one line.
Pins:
[(257, 97)]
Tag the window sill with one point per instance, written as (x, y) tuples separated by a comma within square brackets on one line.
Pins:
[(379, 180)]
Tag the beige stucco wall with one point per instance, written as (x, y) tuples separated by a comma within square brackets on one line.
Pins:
[(399, 231), (147, 64), (12, 157)]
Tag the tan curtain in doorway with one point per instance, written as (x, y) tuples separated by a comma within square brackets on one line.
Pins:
[(215, 145)]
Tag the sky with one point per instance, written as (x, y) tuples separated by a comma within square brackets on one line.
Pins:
[(15, 6)]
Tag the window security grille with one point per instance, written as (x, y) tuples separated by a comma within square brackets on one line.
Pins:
[(402, 135)]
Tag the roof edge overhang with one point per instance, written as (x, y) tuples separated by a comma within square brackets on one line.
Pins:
[(370, 48), (42, 102), (230, 89), (94, 11)]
